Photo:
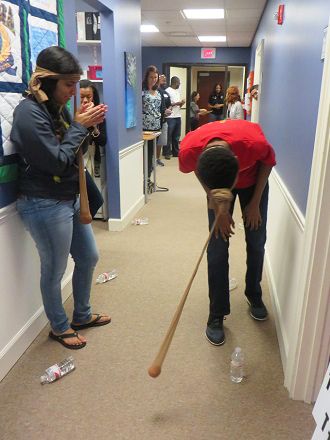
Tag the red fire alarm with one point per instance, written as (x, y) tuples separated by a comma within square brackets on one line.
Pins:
[(280, 14)]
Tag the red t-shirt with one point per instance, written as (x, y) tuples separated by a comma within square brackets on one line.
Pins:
[(246, 140)]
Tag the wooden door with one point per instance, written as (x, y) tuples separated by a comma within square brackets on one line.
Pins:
[(206, 80)]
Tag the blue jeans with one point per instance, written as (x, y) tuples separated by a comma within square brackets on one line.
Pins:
[(217, 257), (173, 136), (55, 227), (215, 117)]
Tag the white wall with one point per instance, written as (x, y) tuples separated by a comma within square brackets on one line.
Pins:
[(285, 234), (131, 185), (22, 315)]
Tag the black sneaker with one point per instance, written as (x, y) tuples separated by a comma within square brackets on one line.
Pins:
[(258, 309), (167, 157), (214, 332), (160, 163)]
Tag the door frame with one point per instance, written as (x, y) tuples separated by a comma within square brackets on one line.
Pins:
[(258, 73), (188, 66), (309, 358)]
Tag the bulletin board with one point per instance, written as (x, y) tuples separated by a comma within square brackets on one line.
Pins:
[(26, 28)]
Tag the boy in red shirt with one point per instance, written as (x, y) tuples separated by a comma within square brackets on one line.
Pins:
[(256, 158)]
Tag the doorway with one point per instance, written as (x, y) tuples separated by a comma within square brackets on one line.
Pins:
[(202, 78), (258, 70)]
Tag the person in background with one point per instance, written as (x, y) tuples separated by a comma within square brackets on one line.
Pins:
[(254, 91), (174, 119), (234, 105), (245, 142), (47, 141), (166, 110), (97, 140), (151, 111), (195, 111), (216, 103)]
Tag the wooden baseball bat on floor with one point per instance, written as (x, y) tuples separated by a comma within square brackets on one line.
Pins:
[(155, 368)]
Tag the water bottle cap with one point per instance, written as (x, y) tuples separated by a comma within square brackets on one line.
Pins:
[(43, 379)]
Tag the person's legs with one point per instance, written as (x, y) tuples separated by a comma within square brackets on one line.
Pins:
[(85, 255), (218, 273), (193, 124), (255, 249), (212, 117), (150, 157), (176, 137), (170, 129), (50, 225)]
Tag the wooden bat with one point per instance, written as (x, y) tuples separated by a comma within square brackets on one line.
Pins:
[(85, 214), (155, 368)]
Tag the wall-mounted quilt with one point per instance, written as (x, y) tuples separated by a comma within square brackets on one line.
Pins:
[(26, 27)]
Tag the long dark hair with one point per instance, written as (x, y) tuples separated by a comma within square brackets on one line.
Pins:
[(60, 61), (84, 84), (146, 75), (193, 96), (215, 88)]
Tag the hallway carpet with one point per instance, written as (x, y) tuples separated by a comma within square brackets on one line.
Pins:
[(110, 395)]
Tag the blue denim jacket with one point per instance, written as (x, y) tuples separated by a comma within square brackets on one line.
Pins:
[(47, 165)]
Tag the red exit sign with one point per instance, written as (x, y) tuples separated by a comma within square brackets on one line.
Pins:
[(208, 53)]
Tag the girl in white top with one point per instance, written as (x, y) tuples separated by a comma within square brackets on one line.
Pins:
[(234, 105)]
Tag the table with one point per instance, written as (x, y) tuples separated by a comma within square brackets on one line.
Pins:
[(149, 136)]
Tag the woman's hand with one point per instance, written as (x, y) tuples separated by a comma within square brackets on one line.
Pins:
[(89, 115)]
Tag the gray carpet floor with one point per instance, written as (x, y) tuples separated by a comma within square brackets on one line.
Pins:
[(110, 394)]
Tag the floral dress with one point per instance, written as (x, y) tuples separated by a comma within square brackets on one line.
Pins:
[(151, 110)]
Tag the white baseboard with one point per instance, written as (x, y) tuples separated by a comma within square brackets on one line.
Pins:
[(117, 225), (280, 327), (282, 259), (24, 338)]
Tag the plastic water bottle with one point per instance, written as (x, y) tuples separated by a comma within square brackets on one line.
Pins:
[(106, 276), (236, 365), (57, 371), (140, 221)]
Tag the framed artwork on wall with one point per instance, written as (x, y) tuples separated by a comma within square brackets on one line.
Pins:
[(130, 90)]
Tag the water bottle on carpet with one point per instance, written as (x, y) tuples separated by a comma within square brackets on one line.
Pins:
[(57, 371), (236, 365)]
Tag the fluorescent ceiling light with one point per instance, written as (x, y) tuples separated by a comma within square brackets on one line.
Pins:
[(199, 14), (148, 28), (215, 38)]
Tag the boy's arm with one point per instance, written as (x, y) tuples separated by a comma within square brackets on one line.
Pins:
[(225, 221)]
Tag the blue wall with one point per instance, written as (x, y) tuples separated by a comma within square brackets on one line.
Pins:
[(292, 73), (120, 22), (159, 55)]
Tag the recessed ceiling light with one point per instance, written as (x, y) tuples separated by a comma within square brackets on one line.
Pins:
[(199, 14), (148, 28), (215, 38)]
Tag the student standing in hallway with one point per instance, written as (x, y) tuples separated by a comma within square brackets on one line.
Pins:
[(256, 159), (165, 110), (174, 119), (151, 111), (234, 105), (47, 142), (216, 103)]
